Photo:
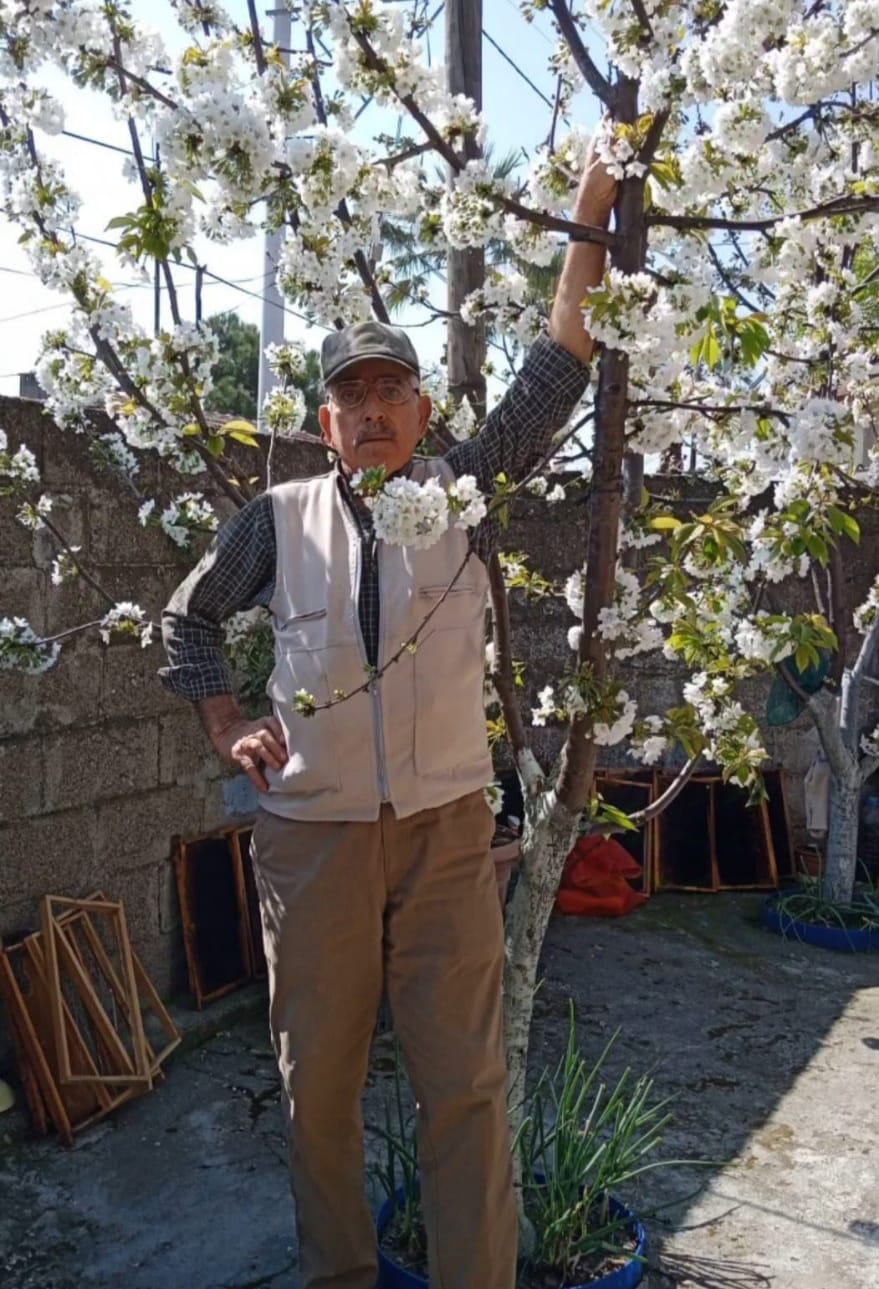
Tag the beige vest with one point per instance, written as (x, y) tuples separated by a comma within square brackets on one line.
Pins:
[(417, 739)]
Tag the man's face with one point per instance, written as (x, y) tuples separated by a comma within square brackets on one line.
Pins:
[(376, 431)]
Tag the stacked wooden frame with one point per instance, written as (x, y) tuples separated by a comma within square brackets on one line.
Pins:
[(89, 1030)]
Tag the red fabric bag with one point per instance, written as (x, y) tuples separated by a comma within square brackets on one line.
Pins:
[(595, 880)]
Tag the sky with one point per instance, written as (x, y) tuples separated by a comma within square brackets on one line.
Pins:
[(517, 117)]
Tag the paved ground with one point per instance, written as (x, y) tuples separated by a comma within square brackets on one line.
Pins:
[(770, 1052)]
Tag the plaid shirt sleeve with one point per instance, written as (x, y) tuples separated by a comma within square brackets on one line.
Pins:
[(519, 431), (236, 572)]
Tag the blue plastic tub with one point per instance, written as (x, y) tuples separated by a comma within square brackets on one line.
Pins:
[(393, 1276), (839, 938)]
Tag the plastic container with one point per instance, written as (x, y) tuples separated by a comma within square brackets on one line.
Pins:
[(392, 1276), (841, 939)]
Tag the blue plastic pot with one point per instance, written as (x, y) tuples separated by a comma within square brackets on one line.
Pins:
[(392, 1276), (842, 939)]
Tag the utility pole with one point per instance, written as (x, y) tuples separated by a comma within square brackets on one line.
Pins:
[(199, 283), (271, 330), (157, 272), (465, 349)]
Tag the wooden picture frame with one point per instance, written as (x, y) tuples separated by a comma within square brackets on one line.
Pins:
[(61, 960)]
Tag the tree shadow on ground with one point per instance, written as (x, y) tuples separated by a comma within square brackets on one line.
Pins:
[(766, 1050)]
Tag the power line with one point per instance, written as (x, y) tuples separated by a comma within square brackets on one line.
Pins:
[(65, 304), (517, 69), (101, 143), (292, 313), (234, 284)]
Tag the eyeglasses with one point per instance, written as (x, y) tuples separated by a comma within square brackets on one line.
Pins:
[(349, 394)]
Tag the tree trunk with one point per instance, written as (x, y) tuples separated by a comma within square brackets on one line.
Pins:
[(610, 477), (842, 838), (550, 832)]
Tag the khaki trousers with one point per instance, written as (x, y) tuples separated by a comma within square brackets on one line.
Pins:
[(411, 904)]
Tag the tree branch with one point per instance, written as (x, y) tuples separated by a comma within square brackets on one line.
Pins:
[(759, 409), (342, 212), (828, 210), (417, 150), (116, 65), (81, 570), (727, 280), (642, 16), (836, 613), (258, 51), (599, 85), (674, 789), (583, 232), (867, 650), (502, 672)]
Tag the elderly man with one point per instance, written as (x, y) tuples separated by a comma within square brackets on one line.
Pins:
[(371, 846)]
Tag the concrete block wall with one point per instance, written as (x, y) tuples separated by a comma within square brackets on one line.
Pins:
[(100, 767)]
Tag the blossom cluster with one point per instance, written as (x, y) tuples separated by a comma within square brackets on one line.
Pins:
[(866, 614), (21, 649), (126, 619), (408, 513), (182, 519), (17, 469)]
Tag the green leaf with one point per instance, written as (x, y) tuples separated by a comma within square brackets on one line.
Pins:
[(805, 657), (240, 437), (817, 547), (616, 818), (215, 445), (244, 427), (844, 524), (710, 349)]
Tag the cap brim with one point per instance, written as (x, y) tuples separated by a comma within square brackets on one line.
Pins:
[(364, 356)]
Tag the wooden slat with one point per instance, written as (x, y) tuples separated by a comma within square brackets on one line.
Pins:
[(96, 944), (144, 984), (35, 1054), (77, 1046), (29, 1082), (87, 1101), (147, 987), (143, 1062), (187, 922), (244, 930), (58, 952)]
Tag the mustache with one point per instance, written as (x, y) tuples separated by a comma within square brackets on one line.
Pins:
[(371, 434)]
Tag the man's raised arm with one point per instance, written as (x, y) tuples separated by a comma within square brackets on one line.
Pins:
[(584, 261)]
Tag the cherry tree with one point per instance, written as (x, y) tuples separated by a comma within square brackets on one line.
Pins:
[(734, 322)]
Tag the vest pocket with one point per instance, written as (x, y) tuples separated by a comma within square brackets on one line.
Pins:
[(450, 737), (313, 762)]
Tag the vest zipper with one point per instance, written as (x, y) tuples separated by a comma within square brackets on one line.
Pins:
[(376, 696), (378, 734)]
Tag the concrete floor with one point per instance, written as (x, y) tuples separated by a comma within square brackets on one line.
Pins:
[(769, 1051)]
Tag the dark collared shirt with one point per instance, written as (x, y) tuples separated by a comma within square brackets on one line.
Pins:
[(238, 570)]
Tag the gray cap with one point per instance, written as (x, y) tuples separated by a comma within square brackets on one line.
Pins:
[(366, 340)]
